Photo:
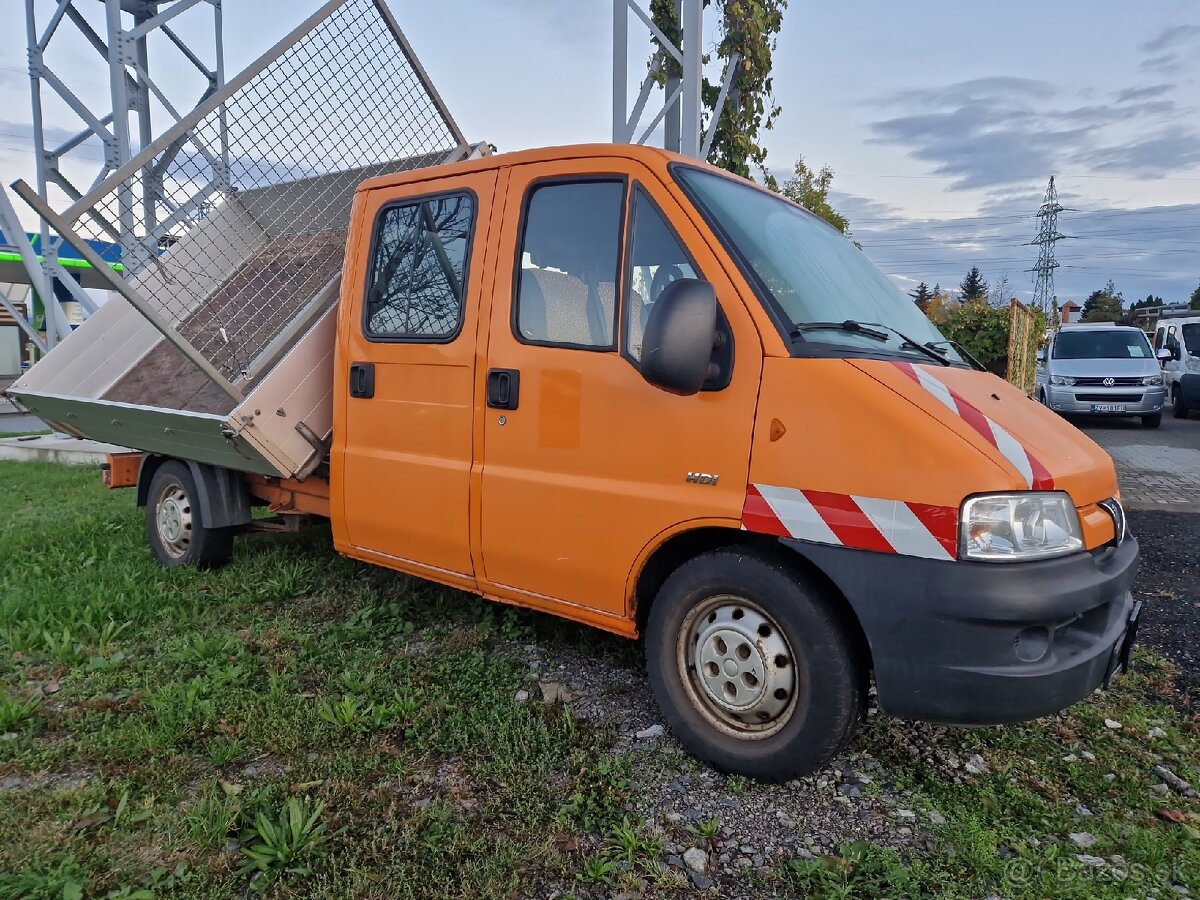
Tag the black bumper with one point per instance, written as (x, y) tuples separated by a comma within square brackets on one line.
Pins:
[(986, 643), (1189, 389)]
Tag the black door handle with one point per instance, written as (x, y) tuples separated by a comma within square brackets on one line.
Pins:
[(362, 380), (503, 388)]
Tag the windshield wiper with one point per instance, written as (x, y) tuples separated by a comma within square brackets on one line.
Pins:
[(962, 351), (869, 329), (850, 325)]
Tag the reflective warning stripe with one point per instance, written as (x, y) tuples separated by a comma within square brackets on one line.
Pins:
[(1036, 476), (864, 523)]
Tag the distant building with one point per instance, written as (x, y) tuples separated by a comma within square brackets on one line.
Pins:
[(1069, 312)]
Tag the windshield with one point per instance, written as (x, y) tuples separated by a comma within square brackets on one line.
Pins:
[(1191, 337), (1102, 344), (810, 271)]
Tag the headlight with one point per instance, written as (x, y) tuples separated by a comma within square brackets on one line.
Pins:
[(1152, 379), (1019, 527), (1061, 379)]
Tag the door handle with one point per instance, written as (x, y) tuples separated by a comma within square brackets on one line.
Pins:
[(362, 380), (503, 388)]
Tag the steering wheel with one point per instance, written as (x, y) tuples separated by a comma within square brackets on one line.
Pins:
[(664, 276)]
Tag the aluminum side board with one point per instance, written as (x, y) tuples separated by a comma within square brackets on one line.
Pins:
[(186, 435)]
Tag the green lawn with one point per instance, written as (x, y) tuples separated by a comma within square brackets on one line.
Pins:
[(304, 725)]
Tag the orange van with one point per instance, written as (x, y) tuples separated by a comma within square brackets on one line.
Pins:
[(616, 385)]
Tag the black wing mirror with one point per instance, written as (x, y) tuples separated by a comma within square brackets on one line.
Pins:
[(681, 332)]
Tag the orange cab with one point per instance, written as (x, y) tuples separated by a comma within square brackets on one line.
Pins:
[(616, 385)]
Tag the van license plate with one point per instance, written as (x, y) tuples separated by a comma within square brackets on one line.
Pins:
[(1108, 407)]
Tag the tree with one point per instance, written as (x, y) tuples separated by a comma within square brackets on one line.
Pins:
[(747, 28), (1104, 305), (811, 190), (1151, 301), (941, 305), (1001, 293), (1195, 301), (973, 287), (922, 296)]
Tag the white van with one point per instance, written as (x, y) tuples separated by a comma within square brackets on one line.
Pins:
[(1180, 334)]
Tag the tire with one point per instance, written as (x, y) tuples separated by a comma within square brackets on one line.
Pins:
[(1178, 409), (806, 651), (1152, 421), (176, 535)]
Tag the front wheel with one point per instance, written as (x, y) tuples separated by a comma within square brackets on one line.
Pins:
[(1178, 408), (753, 667), (174, 528), (1152, 421)]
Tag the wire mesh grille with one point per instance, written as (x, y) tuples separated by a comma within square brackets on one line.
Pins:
[(234, 228)]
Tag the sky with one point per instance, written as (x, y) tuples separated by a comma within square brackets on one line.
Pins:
[(942, 120)]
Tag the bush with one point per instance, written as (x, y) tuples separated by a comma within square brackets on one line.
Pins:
[(983, 331)]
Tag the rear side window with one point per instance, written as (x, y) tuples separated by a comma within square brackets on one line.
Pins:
[(568, 268), (1191, 338), (418, 269)]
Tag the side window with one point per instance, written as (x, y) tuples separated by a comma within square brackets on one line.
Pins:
[(1159, 338), (656, 258), (1172, 339), (569, 262), (418, 269)]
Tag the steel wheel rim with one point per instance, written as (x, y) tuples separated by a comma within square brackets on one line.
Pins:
[(173, 516), (738, 667)]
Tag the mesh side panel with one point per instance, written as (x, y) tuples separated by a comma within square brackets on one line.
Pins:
[(233, 229)]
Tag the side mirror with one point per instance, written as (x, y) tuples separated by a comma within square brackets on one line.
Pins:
[(1165, 353), (677, 345)]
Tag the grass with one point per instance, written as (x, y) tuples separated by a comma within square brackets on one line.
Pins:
[(300, 725)]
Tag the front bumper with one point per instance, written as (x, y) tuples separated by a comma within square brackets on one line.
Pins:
[(986, 643), (1138, 401)]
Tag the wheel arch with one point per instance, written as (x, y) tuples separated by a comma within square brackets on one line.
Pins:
[(682, 546), (222, 495)]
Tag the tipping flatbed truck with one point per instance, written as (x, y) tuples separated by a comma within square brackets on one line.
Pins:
[(620, 386)]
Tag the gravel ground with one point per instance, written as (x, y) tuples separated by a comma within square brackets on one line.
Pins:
[(853, 799), (1169, 584)]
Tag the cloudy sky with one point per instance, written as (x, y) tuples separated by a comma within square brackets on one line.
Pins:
[(943, 120)]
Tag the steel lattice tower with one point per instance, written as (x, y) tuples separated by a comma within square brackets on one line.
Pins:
[(118, 31), (1048, 235)]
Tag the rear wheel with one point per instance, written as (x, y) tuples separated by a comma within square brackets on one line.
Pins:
[(1152, 421), (174, 528), (1178, 408), (754, 669)]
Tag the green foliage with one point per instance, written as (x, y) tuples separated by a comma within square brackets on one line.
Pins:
[(14, 711), (600, 793), (973, 287), (1104, 305), (922, 296), (811, 190), (748, 28), (1194, 302), (211, 818), (860, 870), (982, 330), (287, 844)]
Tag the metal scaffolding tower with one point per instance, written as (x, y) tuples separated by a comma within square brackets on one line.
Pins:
[(1048, 235), (120, 33), (680, 66)]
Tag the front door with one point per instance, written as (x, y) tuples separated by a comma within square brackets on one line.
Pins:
[(410, 355), (585, 464)]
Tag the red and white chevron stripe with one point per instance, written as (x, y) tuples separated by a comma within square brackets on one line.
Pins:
[(865, 523), (1037, 477)]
